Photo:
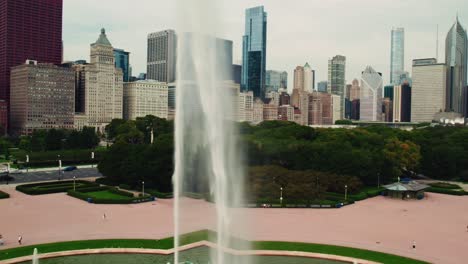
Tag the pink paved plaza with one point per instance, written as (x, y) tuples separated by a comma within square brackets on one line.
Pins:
[(437, 224)]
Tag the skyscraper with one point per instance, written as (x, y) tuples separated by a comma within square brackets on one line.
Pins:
[(322, 86), (42, 97), (284, 80), (337, 78), (254, 51), (103, 86), (428, 91), (456, 60), (122, 61), (29, 29), (371, 95), (273, 81), (299, 78), (309, 78), (397, 57), (161, 58)]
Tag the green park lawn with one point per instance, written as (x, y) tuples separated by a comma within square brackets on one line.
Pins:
[(168, 243), (105, 194)]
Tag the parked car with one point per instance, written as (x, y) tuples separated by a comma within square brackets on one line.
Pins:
[(70, 168)]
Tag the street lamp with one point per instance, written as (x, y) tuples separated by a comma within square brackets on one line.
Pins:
[(346, 192), (281, 196), (92, 159), (60, 166), (27, 163), (143, 187), (74, 185)]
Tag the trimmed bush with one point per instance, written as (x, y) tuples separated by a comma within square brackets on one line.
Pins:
[(4, 195), (445, 185), (84, 194), (159, 195), (120, 192), (447, 191), (52, 187)]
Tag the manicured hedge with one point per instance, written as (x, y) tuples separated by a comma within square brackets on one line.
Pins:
[(447, 191), (4, 195), (68, 157), (52, 187), (445, 185), (126, 198), (120, 192)]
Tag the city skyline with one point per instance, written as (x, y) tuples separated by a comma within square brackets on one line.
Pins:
[(315, 39)]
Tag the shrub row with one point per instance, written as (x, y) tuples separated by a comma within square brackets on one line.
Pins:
[(126, 199), (52, 187), (120, 192), (160, 195), (446, 191), (445, 185), (4, 195)]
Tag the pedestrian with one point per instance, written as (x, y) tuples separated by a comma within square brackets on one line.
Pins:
[(1, 240), (414, 245), (104, 216), (467, 228), (20, 239)]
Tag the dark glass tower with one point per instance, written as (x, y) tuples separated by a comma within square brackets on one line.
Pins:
[(122, 61), (456, 46), (29, 29), (254, 51)]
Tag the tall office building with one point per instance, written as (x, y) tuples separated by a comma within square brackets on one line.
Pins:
[(42, 97), (309, 78), (29, 29), (103, 87), (402, 103), (142, 98), (428, 91), (371, 95), (254, 51), (397, 60), (236, 73), (337, 78), (273, 81), (161, 57), (122, 61), (355, 90), (284, 80), (322, 86), (456, 48)]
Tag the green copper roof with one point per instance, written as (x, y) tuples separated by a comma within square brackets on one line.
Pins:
[(102, 40), (307, 65)]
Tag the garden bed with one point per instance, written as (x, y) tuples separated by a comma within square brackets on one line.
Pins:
[(4, 195), (108, 195), (446, 188), (53, 187)]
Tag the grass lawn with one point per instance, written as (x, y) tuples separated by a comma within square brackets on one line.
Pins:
[(105, 195), (167, 243)]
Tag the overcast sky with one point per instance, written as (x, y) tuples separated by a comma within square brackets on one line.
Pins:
[(299, 31)]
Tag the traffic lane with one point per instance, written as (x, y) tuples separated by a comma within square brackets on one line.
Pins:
[(54, 175)]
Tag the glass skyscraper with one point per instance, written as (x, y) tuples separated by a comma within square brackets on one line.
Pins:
[(122, 61), (254, 51), (456, 61), (397, 60), (337, 78)]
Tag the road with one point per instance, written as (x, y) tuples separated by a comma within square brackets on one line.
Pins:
[(50, 175)]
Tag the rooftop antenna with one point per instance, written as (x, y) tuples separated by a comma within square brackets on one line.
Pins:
[(437, 43)]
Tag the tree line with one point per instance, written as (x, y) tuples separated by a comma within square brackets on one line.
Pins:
[(363, 156)]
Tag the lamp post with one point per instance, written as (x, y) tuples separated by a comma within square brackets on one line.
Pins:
[(143, 187), (378, 179), (27, 163), (346, 192), (92, 159), (60, 166), (74, 185), (281, 196)]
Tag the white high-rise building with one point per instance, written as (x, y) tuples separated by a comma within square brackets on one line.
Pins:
[(142, 98), (428, 91), (103, 86), (371, 95), (161, 57), (336, 102), (246, 106), (308, 79)]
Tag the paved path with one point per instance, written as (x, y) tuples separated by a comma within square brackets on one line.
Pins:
[(438, 224), (50, 175)]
